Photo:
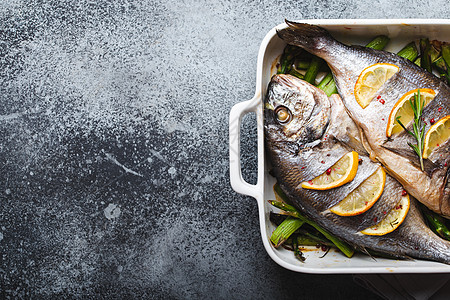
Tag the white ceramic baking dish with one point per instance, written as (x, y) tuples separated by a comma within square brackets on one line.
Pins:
[(350, 32)]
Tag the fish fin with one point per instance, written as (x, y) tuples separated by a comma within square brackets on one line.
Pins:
[(307, 36)]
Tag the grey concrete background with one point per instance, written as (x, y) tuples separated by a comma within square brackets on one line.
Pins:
[(114, 148)]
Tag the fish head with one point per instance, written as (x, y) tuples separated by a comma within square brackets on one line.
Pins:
[(295, 111)]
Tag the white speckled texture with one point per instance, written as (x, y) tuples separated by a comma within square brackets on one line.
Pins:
[(114, 148)]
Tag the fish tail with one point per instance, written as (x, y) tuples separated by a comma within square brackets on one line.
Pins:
[(312, 38)]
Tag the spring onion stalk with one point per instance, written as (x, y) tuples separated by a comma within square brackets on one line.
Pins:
[(435, 52), (284, 230), (425, 49), (409, 52), (440, 65), (341, 245), (446, 57), (418, 61), (378, 42)]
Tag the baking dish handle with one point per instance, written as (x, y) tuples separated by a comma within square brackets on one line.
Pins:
[(236, 114)]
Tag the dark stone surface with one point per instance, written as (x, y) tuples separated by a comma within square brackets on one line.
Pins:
[(114, 149)]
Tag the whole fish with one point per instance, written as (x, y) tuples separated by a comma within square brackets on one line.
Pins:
[(431, 186), (309, 135)]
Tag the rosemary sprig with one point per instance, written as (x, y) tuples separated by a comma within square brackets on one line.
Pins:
[(418, 126)]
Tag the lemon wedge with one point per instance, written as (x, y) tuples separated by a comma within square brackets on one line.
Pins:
[(438, 134), (343, 171), (363, 197), (370, 80), (404, 110), (392, 220)]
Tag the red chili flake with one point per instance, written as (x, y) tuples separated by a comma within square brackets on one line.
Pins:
[(322, 162), (399, 206), (437, 145), (404, 193), (382, 119), (303, 168), (328, 171), (365, 203), (382, 101), (384, 212), (445, 164), (360, 161), (324, 248), (375, 219), (328, 154), (432, 121), (310, 182), (439, 109), (378, 97)]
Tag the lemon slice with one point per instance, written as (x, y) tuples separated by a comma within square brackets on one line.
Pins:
[(370, 80), (404, 110), (438, 134), (363, 197), (392, 220), (343, 171)]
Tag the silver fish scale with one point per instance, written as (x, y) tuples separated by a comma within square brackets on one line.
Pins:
[(347, 63), (292, 166)]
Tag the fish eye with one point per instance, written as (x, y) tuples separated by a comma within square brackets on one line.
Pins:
[(283, 115)]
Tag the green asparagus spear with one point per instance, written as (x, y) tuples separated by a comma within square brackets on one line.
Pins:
[(297, 253), (311, 72), (330, 88), (302, 64), (296, 73), (285, 229), (306, 241), (286, 59), (378, 42), (312, 239), (325, 81), (437, 224), (409, 51)]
